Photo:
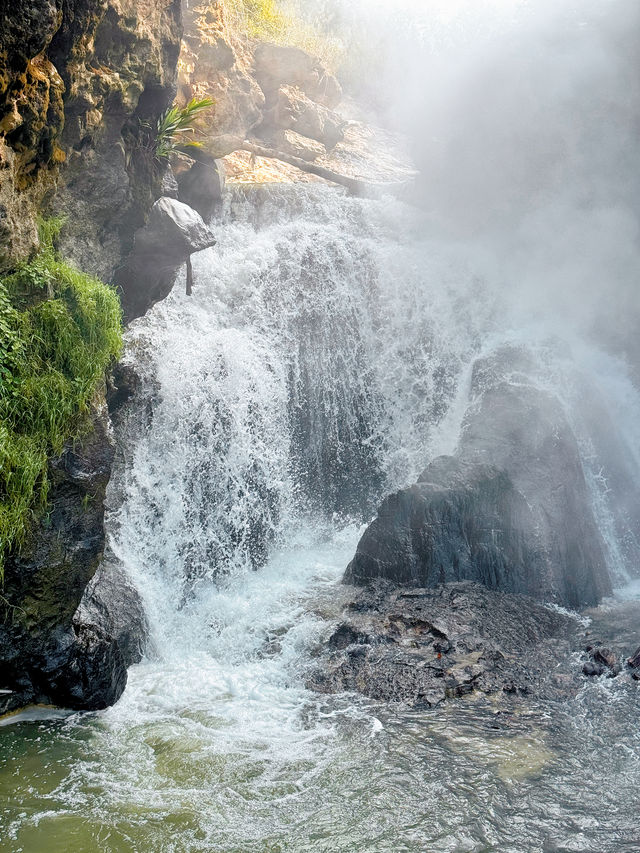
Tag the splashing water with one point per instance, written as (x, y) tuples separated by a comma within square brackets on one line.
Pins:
[(324, 357)]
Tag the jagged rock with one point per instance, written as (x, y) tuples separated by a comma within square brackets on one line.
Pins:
[(512, 510), (202, 186), (41, 653), (76, 79), (293, 110), (424, 646), (174, 232), (214, 63), (277, 65), (111, 607), (601, 661), (634, 664)]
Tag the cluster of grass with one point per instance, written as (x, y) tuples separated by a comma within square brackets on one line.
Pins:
[(280, 21), (59, 330), (174, 126)]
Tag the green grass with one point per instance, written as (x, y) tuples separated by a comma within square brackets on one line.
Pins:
[(59, 330)]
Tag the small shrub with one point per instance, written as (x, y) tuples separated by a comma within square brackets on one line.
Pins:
[(59, 330), (173, 126)]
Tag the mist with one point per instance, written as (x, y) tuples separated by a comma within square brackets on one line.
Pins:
[(523, 119)]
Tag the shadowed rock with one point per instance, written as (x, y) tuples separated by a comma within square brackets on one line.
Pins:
[(174, 231), (45, 656), (512, 510)]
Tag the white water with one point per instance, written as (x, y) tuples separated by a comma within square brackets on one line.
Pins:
[(323, 359)]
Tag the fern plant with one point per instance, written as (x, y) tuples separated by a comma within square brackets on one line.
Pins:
[(175, 124)]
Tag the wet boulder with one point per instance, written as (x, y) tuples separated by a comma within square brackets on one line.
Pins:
[(634, 664), (602, 661), (511, 510), (424, 646), (111, 607)]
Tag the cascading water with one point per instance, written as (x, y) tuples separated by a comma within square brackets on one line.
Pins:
[(323, 358)]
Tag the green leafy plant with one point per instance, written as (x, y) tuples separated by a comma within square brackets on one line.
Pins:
[(59, 330), (175, 124)]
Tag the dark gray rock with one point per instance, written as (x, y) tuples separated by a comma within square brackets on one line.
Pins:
[(424, 646), (111, 607), (174, 231), (602, 661), (460, 521), (512, 510), (44, 657), (202, 187), (634, 664)]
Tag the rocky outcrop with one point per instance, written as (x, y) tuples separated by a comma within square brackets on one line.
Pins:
[(601, 660), (111, 606), (292, 110), (174, 231), (78, 80), (44, 655), (512, 510), (202, 187), (423, 646), (216, 63)]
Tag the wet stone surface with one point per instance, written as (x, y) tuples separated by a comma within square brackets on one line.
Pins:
[(424, 646)]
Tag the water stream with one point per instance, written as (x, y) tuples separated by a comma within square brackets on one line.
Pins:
[(324, 357)]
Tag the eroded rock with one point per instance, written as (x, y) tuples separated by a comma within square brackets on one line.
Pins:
[(44, 657), (424, 646), (174, 231), (277, 65)]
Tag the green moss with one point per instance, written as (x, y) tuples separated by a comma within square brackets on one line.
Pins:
[(59, 330)]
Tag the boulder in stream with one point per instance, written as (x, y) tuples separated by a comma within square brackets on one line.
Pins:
[(511, 510)]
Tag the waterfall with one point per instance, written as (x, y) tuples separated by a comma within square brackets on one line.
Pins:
[(323, 359)]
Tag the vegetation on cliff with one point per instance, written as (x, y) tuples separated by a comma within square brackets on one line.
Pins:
[(59, 330), (283, 23)]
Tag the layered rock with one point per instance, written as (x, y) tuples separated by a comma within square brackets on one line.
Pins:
[(512, 510), (77, 78), (423, 646)]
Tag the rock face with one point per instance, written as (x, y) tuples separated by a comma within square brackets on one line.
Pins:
[(174, 231), (277, 65), (292, 110), (77, 77), (215, 63), (111, 606), (44, 655), (511, 511), (424, 646)]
